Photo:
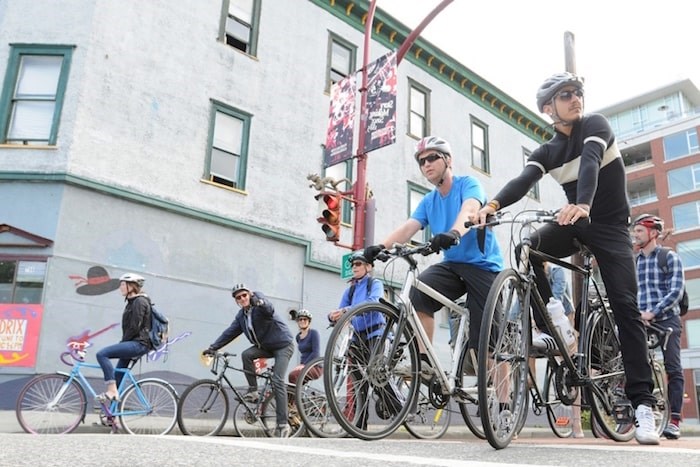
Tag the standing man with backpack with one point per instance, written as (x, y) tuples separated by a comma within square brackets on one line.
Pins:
[(661, 289)]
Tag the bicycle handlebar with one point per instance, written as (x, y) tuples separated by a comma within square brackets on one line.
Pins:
[(402, 250)]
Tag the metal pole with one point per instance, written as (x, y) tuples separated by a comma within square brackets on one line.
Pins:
[(570, 52), (360, 189)]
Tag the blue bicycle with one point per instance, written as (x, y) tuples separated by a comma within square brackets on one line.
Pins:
[(57, 403)]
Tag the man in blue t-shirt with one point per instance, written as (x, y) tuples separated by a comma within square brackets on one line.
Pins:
[(472, 258)]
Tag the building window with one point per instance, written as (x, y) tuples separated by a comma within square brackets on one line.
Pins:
[(684, 180), (418, 110), (692, 327), (686, 216), (239, 24), (480, 147), (680, 144), (692, 286), (33, 93), (228, 146), (339, 172), (21, 281), (534, 192), (690, 257), (416, 193), (341, 60)]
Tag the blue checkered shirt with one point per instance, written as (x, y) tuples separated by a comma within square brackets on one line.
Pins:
[(659, 292)]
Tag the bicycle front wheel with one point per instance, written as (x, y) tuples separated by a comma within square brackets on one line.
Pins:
[(203, 409), (370, 371), (49, 404), (503, 352), (148, 408), (312, 403)]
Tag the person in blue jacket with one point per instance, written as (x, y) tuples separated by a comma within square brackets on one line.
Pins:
[(271, 338)]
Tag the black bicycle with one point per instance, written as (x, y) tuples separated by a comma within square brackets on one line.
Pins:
[(204, 405), (505, 344)]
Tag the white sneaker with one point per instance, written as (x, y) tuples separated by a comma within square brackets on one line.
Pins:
[(644, 421), (542, 340), (403, 367)]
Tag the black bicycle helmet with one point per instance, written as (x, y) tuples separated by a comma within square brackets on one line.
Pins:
[(649, 221), (359, 255), (432, 142), (553, 84), (133, 278), (237, 288)]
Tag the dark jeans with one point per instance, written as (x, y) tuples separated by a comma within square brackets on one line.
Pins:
[(612, 247), (279, 373), (125, 352), (672, 362), (454, 280)]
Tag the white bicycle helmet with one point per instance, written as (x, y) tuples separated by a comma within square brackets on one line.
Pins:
[(237, 288), (303, 313), (432, 142), (553, 84), (134, 278)]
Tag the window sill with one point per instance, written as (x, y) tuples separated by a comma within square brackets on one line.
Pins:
[(27, 146), (219, 185)]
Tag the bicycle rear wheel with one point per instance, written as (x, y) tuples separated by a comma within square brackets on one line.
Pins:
[(203, 409), (662, 410), (48, 404), (468, 400), (296, 424), (149, 409), (606, 394), (255, 420), (371, 380), (312, 403), (503, 370), (426, 421)]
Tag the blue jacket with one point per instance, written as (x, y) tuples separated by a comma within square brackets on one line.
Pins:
[(366, 290), (270, 331)]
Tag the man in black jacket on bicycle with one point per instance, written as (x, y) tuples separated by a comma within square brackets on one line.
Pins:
[(583, 157), (271, 338)]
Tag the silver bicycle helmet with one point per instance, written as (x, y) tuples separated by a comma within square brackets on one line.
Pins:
[(553, 84), (432, 142), (237, 288), (303, 313), (133, 278)]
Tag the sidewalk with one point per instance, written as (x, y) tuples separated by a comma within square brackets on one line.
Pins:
[(457, 430)]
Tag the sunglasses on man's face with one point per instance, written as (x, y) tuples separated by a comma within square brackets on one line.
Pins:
[(358, 263), (241, 296), (566, 96), (429, 158)]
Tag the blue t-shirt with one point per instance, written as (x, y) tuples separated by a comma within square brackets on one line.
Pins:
[(440, 212)]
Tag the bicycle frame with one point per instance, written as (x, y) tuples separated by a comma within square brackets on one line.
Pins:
[(447, 381)]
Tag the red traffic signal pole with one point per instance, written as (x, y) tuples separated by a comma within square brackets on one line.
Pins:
[(359, 189)]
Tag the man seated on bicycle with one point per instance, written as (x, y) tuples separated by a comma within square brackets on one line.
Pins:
[(271, 338), (472, 256), (583, 157)]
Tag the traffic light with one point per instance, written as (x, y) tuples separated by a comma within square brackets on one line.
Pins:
[(329, 206)]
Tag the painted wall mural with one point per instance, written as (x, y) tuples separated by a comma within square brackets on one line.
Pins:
[(19, 333)]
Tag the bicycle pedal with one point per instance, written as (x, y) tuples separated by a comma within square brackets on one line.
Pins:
[(623, 413)]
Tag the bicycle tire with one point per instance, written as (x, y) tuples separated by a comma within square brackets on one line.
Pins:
[(559, 415), (605, 367), (150, 411), (662, 409), (203, 408), (255, 421), (35, 413), (297, 428), (503, 366), (468, 403), (427, 421), (312, 404), (372, 396)]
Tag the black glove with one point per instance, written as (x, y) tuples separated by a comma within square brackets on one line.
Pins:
[(209, 351), (255, 300), (444, 241), (371, 252)]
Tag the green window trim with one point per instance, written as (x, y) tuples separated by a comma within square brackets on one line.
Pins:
[(426, 110), (336, 39), (7, 98), (245, 118), (420, 190), (254, 26), (482, 153)]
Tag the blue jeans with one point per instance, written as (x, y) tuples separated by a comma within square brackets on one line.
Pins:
[(125, 352), (672, 362), (279, 374)]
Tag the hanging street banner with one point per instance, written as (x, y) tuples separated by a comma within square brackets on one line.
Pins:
[(341, 122), (381, 103)]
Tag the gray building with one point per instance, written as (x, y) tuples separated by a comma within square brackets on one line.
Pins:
[(173, 139)]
